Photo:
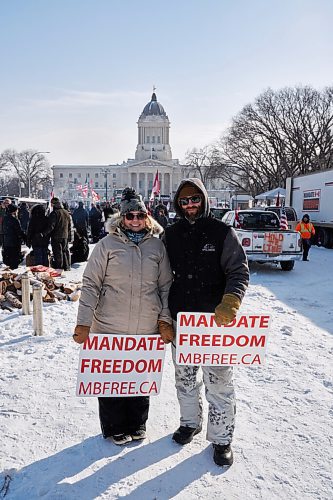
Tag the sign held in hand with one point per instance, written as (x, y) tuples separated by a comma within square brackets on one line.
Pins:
[(200, 341), (120, 365)]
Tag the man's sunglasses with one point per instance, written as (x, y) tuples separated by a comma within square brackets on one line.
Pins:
[(193, 199), (139, 216)]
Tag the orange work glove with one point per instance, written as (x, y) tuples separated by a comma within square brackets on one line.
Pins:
[(226, 311), (81, 333), (166, 331)]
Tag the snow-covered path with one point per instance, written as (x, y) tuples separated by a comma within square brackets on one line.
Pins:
[(51, 445)]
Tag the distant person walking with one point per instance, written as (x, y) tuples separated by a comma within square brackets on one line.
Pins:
[(306, 230)]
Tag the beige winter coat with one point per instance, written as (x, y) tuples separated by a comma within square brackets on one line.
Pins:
[(126, 286)]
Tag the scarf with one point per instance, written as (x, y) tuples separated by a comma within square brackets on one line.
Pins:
[(135, 236)]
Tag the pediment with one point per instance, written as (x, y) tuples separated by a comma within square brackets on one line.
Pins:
[(153, 164)]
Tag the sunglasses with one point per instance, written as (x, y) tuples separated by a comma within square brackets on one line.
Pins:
[(139, 216), (193, 199)]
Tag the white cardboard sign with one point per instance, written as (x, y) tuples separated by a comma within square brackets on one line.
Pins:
[(200, 341), (120, 365)]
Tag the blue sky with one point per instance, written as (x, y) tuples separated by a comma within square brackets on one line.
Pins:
[(76, 74)]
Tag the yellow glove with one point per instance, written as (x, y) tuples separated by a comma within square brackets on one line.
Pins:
[(81, 333), (226, 311), (166, 331)]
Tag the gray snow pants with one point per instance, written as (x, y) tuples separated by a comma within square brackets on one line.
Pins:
[(220, 394)]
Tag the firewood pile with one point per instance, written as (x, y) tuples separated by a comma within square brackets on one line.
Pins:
[(53, 289)]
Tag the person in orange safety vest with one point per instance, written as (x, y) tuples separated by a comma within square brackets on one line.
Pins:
[(306, 230)]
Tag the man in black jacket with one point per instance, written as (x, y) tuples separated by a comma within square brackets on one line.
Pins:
[(59, 228), (81, 219), (210, 275), (12, 238)]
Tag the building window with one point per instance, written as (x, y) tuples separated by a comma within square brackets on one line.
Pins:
[(114, 176), (96, 176), (70, 176), (61, 176), (88, 175), (148, 139), (75, 180), (96, 184), (153, 139), (159, 139)]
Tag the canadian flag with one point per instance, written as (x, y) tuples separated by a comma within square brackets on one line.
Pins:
[(156, 187)]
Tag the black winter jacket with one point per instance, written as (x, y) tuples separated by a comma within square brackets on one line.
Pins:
[(80, 218), (207, 261), (35, 234), (12, 231), (59, 224)]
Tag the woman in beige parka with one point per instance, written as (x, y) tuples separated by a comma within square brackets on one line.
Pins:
[(125, 291)]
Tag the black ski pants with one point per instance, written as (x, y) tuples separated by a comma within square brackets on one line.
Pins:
[(123, 415)]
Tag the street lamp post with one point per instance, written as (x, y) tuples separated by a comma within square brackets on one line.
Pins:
[(105, 171), (29, 173)]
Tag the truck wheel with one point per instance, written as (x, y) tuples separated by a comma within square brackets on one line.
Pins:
[(322, 237), (287, 265)]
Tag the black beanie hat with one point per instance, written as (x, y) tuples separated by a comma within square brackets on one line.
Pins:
[(131, 201), (12, 208)]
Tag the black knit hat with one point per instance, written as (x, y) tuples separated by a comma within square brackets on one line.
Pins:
[(131, 201), (12, 208)]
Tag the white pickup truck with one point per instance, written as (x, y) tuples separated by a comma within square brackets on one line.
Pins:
[(263, 240)]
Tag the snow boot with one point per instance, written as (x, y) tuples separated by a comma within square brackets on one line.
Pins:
[(138, 434), (223, 455), (121, 439), (184, 435)]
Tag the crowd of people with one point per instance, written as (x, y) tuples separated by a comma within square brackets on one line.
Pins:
[(58, 236)]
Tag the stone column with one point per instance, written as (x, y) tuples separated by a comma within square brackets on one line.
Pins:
[(146, 185)]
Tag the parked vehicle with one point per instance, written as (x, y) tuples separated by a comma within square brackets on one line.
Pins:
[(262, 238), (219, 212), (290, 212), (313, 194)]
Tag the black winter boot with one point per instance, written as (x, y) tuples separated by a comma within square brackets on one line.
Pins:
[(223, 455), (184, 435)]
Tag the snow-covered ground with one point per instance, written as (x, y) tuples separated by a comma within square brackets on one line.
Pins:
[(51, 446)]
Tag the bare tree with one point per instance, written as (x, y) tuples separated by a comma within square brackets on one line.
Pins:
[(31, 168), (284, 133), (204, 163)]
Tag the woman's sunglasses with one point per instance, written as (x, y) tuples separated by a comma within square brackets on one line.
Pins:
[(139, 216), (185, 201)]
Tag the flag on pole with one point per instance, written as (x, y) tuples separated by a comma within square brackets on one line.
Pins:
[(237, 221), (278, 199), (95, 196), (283, 220), (84, 191), (79, 187), (156, 187)]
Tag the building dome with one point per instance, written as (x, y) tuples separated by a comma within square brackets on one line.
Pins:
[(153, 108)]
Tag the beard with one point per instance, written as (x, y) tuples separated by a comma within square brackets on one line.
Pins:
[(193, 214)]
